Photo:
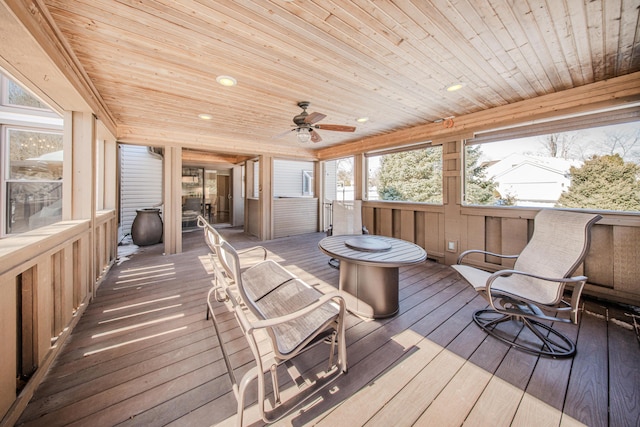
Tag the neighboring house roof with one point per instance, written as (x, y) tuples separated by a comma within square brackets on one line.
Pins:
[(515, 160), (532, 179)]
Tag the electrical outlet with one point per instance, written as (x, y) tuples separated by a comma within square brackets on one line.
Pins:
[(451, 246)]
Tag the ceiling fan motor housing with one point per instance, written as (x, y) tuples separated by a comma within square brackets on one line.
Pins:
[(300, 118)]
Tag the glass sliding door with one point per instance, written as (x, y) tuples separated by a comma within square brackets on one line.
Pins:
[(205, 192), (192, 196), (211, 196)]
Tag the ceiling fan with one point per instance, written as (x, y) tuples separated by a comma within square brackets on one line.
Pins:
[(305, 125)]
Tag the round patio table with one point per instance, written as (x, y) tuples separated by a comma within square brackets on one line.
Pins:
[(369, 270)]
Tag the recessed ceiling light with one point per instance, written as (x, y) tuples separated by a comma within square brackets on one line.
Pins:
[(362, 119), (454, 87), (205, 116), (226, 80)]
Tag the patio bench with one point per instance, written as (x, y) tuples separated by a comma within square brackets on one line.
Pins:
[(267, 299)]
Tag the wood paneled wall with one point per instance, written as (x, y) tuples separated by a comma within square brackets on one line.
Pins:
[(46, 283), (421, 224), (612, 264)]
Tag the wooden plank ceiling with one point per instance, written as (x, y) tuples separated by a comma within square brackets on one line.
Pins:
[(155, 63)]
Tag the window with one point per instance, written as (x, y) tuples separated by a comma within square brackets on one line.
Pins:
[(307, 183), (15, 95), (410, 176), (33, 179), (590, 168), (339, 180), (31, 151)]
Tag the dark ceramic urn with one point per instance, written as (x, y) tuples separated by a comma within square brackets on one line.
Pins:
[(147, 227)]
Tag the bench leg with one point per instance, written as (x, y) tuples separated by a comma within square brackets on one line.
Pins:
[(276, 388), (242, 388), (332, 349)]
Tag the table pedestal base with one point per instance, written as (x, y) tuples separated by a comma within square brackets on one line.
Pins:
[(369, 291)]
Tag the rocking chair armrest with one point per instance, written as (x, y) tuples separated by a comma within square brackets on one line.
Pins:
[(478, 251), (275, 321)]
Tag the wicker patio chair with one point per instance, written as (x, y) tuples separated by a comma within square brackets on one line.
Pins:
[(532, 292)]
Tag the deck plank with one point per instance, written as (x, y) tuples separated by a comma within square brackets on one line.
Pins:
[(624, 372), (156, 360), (588, 392)]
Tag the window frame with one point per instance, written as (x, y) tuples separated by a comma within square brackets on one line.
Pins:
[(5, 176)]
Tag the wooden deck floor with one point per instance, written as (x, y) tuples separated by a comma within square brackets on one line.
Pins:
[(143, 354)]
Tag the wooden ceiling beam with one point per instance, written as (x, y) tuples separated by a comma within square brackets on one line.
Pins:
[(197, 156), (206, 141)]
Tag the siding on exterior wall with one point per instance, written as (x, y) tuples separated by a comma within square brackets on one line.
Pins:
[(141, 183), (294, 216), (287, 177)]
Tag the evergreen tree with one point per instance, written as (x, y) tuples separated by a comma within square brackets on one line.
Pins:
[(414, 175), (479, 190), (603, 182)]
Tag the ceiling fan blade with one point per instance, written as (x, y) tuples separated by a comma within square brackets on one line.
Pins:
[(339, 128), (314, 118), (285, 133), (315, 136)]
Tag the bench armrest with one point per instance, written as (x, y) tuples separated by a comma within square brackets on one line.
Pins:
[(244, 251)]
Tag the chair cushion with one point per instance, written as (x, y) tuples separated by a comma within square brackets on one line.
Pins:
[(287, 298)]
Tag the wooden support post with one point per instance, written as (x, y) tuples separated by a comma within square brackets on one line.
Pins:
[(172, 185), (266, 197), (8, 336), (452, 196)]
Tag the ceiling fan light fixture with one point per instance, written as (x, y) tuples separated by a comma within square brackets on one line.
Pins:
[(362, 119), (303, 135), (226, 80), (205, 116)]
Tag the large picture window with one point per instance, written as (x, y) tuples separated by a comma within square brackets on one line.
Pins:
[(594, 168), (33, 179), (409, 176)]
